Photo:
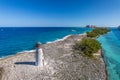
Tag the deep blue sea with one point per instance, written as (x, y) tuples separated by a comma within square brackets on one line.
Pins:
[(111, 46), (17, 39)]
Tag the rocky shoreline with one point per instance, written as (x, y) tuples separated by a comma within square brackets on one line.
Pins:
[(106, 71), (61, 63)]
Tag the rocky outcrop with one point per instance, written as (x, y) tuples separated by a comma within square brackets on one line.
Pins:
[(61, 63)]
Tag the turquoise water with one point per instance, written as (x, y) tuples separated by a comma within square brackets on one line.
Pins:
[(17, 39), (111, 46)]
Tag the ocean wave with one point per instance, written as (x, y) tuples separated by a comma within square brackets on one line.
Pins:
[(59, 39), (73, 30), (2, 57), (25, 51), (63, 38)]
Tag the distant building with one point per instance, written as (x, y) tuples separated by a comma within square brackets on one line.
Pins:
[(90, 26), (119, 26), (94, 26)]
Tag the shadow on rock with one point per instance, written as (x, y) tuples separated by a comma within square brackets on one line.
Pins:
[(25, 63)]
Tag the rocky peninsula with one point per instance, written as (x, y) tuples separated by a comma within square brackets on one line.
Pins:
[(61, 63)]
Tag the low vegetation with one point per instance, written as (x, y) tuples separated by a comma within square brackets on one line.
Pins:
[(97, 32), (87, 46), (90, 45)]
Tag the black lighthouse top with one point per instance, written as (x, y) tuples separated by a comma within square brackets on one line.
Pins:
[(38, 45)]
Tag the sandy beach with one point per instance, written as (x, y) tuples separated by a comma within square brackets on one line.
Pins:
[(61, 63)]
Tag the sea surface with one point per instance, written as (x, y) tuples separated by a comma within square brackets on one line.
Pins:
[(17, 39), (111, 47)]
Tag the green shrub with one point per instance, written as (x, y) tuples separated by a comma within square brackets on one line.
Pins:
[(97, 32), (87, 46), (91, 34)]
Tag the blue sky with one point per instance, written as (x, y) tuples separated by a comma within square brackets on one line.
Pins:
[(59, 12)]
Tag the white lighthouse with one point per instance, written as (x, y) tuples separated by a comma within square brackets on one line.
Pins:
[(39, 55)]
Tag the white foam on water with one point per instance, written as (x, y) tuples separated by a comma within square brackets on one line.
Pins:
[(27, 51), (59, 39)]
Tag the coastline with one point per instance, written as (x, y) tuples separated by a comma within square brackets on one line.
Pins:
[(64, 38), (106, 70), (33, 50), (53, 59)]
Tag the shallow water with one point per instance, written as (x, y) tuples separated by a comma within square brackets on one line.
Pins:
[(111, 46)]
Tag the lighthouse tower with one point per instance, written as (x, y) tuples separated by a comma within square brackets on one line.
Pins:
[(39, 55)]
